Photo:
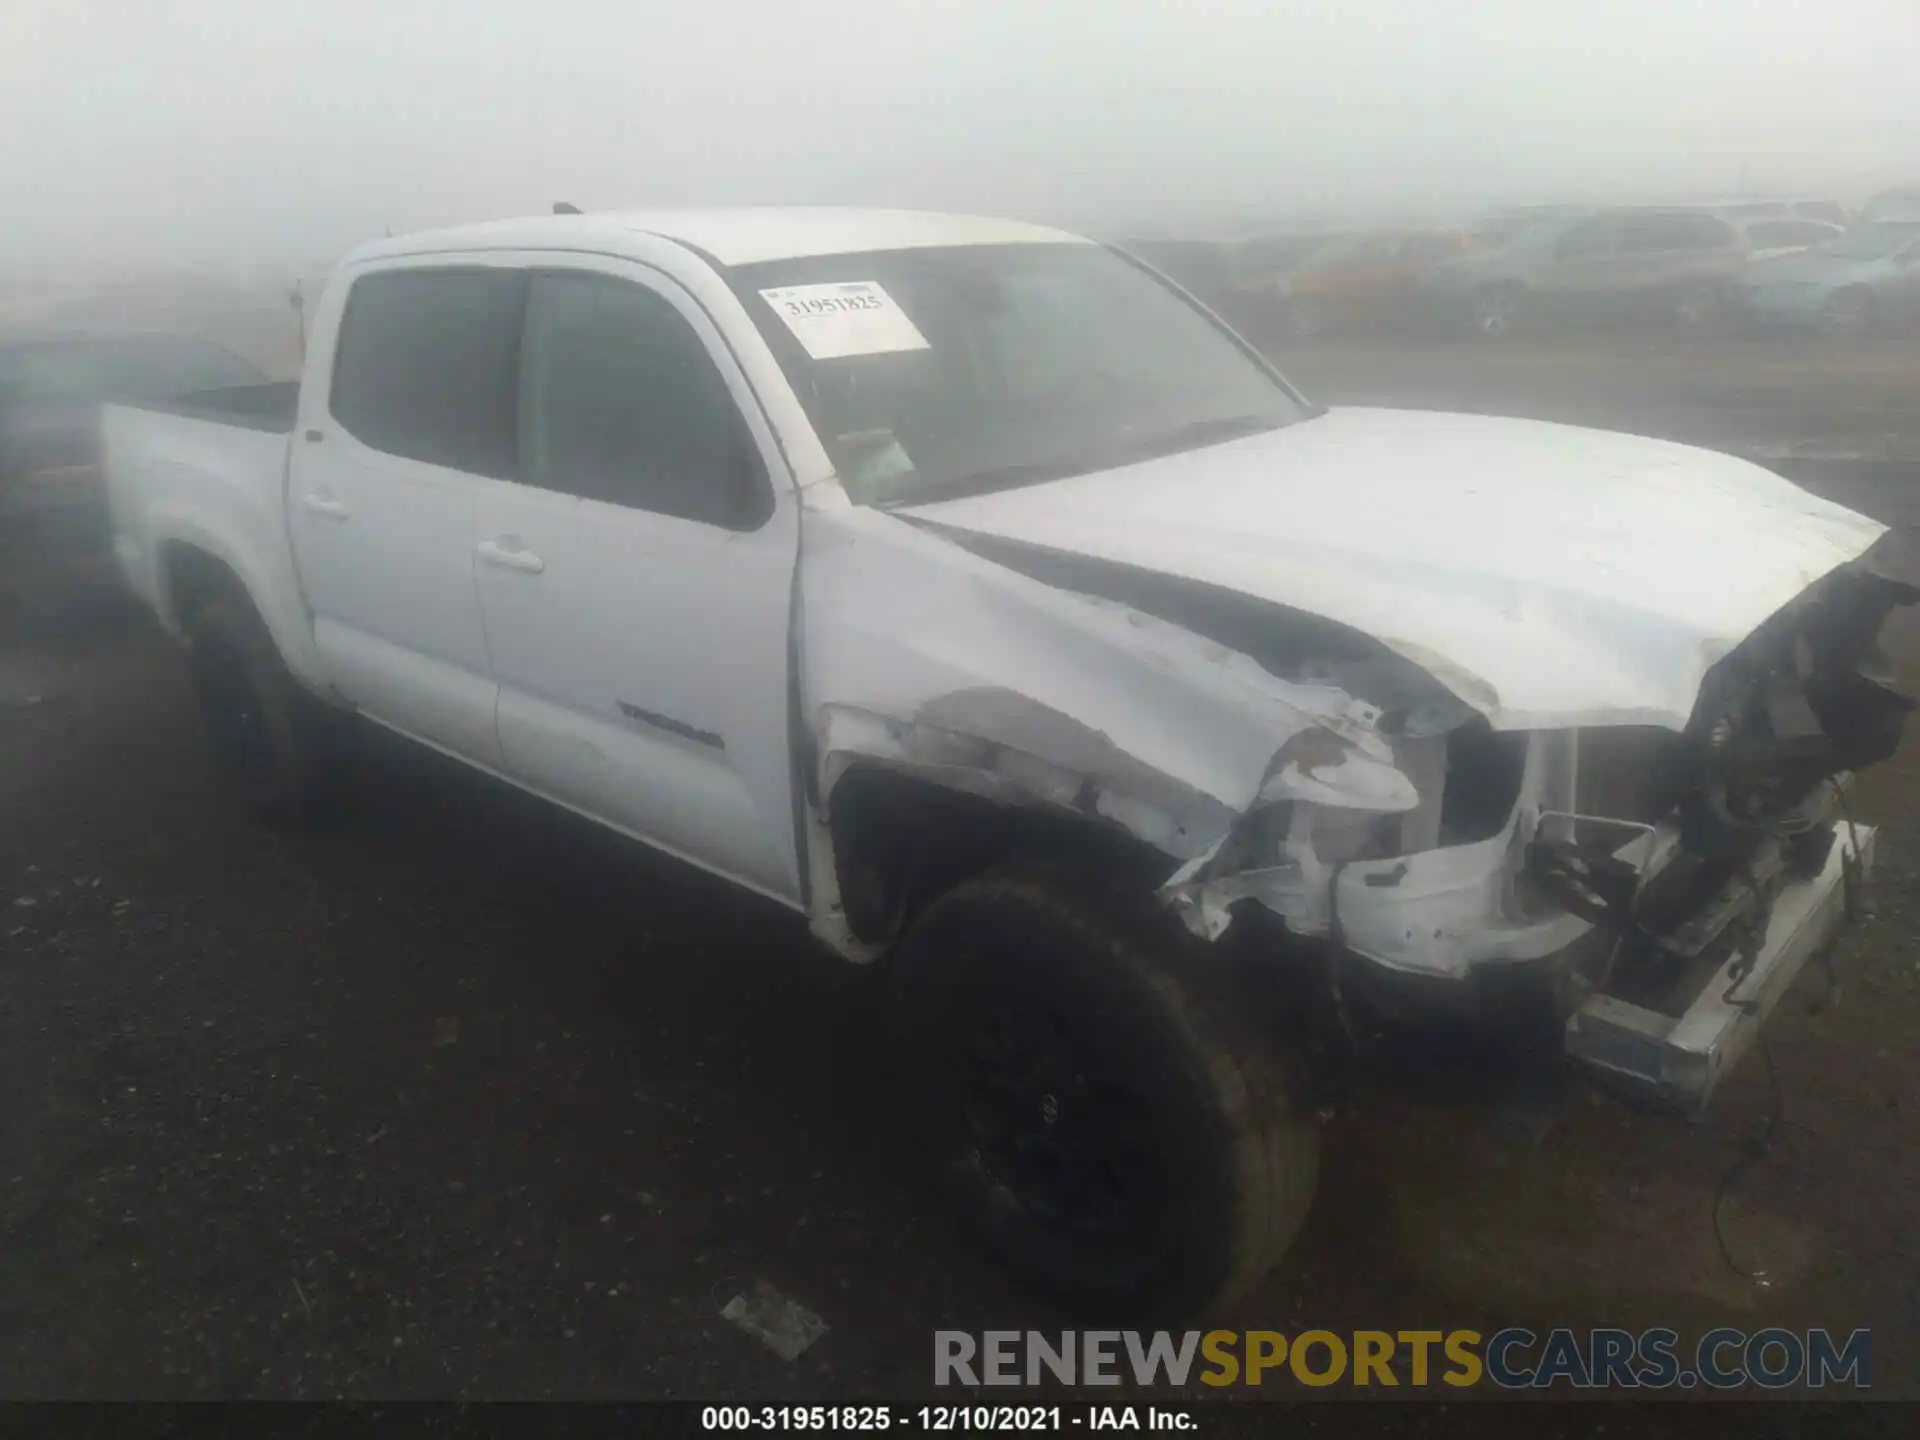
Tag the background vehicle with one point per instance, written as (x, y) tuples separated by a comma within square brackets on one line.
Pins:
[(51, 391), (1497, 227), (1355, 280), (1262, 262), (1203, 267), (1675, 264), (1900, 203), (1866, 278), (1830, 212), (1770, 237), (959, 586)]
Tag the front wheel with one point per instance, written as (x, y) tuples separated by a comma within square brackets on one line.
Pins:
[(1100, 1113)]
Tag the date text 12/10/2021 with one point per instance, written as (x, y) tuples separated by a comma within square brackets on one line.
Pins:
[(944, 1419)]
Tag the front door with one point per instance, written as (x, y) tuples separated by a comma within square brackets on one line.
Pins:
[(635, 579)]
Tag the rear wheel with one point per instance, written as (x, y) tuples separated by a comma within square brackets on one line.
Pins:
[(1099, 1115), (280, 751)]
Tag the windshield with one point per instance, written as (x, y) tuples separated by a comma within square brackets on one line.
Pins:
[(1874, 242), (933, 373)]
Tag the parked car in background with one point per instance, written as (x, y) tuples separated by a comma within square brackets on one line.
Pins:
[(1831, 212), (1864, 279), (1770, 237), (1900, 203), (1204, 268), (51, 391), (1497, 227), (1353, 280), (1259, 260), (1673, 263)]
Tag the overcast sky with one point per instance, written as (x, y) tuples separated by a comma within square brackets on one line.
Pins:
[(282, 131)]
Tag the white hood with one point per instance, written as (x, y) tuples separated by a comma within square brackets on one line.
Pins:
[(1549, 576)]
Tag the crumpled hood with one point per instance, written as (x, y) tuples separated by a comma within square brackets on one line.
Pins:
[(1548, 575)]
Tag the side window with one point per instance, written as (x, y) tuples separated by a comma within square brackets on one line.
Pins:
[(1708, 232), (426, 366), (1644, 233), (620, 401), (1773, 234), (1583, 242), (1672, 231)]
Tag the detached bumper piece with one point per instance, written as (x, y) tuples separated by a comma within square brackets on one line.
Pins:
[(1678, 1054)]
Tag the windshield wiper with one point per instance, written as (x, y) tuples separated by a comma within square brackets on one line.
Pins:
[(1197, 435), (1004, 477)]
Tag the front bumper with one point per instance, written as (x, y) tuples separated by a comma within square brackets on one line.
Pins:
[(1679, 1059)]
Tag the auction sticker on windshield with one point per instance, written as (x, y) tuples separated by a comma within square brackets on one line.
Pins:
[(853, 317)]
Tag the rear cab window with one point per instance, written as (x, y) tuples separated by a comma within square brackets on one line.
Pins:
[(426, 366)]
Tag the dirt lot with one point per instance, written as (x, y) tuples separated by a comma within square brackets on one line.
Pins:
[(468, 1098)]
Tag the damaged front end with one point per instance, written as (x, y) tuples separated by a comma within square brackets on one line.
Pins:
[(1630, 874), (1667, 887)]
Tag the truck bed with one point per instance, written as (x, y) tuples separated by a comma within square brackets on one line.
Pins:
[(271, 408), (205, 470)]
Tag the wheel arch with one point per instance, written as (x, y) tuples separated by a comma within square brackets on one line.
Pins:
[(900, 839), (194, 567)]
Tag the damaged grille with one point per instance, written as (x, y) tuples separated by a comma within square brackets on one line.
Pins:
[(1754, 782), (1637, 773)]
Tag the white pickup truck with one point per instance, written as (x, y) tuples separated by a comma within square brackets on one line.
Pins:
[(969, 589)]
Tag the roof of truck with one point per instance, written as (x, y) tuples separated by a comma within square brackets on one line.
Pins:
[(743, 236)]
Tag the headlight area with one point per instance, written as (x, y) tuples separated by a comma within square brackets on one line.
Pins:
[(1434, 890)]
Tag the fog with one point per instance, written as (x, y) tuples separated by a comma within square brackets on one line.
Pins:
[(271, 136)]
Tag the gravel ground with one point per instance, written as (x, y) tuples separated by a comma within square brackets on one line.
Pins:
[(464, 1097)]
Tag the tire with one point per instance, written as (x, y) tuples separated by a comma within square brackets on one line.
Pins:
[(281, 752), (1847, 314), (1098, 1114), (1493, 311)]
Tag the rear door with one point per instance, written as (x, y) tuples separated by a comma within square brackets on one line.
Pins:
[(1669, 251), (635, 580), (1584, 260), (386, 460)]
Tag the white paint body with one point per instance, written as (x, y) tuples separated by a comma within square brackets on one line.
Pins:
[(1553, 578)]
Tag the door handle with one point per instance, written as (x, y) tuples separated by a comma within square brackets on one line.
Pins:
[(325, 505), (508, 554)]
